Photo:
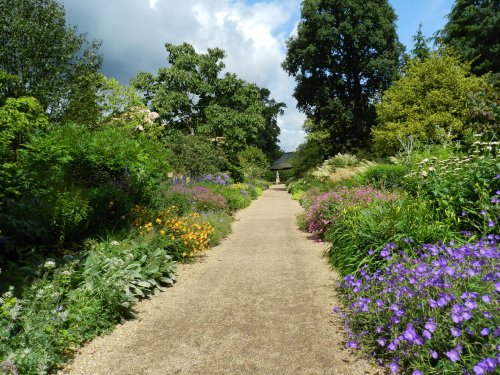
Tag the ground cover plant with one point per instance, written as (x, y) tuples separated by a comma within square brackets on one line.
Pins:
[(77, 297), (432, 314)]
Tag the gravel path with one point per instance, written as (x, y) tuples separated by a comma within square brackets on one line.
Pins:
[(259, 303)]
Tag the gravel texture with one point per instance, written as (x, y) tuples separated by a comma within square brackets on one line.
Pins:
[(259, 303)]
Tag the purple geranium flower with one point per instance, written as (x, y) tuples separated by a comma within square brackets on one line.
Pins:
[(456, 332), (453, 355)]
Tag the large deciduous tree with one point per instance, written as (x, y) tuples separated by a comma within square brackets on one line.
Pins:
[(181, 92), (49, 57), (473, 30), (191, 96), (346, 52)]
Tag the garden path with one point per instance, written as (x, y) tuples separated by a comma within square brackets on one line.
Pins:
[(259, 303)]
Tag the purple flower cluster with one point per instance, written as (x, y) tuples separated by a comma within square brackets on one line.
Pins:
[(442, 306), (327, 207), (219, 179), (204, 198)]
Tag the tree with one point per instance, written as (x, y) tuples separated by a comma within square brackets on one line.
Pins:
[(19, 117), (235, 115), (181, 92), (268, 139), (345, 54), (307, 156), (47, 56), (191, 97), (420, 49), (430, 103), (472, 30)]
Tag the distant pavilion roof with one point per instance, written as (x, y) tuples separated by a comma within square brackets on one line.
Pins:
[(283, 162)]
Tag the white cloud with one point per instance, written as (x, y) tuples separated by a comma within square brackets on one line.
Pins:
[(253, 35)]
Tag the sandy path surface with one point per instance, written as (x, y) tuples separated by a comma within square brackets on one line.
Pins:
[(259, 303)]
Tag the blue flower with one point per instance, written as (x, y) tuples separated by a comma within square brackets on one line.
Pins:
[(453, 355)]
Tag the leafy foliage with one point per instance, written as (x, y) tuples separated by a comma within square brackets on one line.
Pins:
[(195, 155), (48, 57), (19, 118), (253, 162), (472, 30), (384, 176), (421, 50), (307, 156), (72, 302), (360, 230), (429, 103), (71, 175), (462, 188), (191, 97)]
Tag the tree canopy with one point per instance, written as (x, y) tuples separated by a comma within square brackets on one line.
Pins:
[(344, 55), (420, 49), (472, 30), (191, 96), (430, 103), (47, 56)]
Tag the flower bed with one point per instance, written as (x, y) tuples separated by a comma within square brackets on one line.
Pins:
[(327, 207), (437, 314)]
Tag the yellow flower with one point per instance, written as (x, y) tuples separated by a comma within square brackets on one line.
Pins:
[(162, 232)]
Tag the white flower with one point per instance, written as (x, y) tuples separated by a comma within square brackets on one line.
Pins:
[(49, 264), (115, 243)]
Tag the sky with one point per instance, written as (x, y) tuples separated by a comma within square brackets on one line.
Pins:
[(252, 32)]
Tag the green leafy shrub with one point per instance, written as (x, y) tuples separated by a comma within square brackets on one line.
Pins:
[(71, 302), (195, 155), (384, 176), (254, 162), (460, 188), (19, 118), (429, 102), (71, 175)]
